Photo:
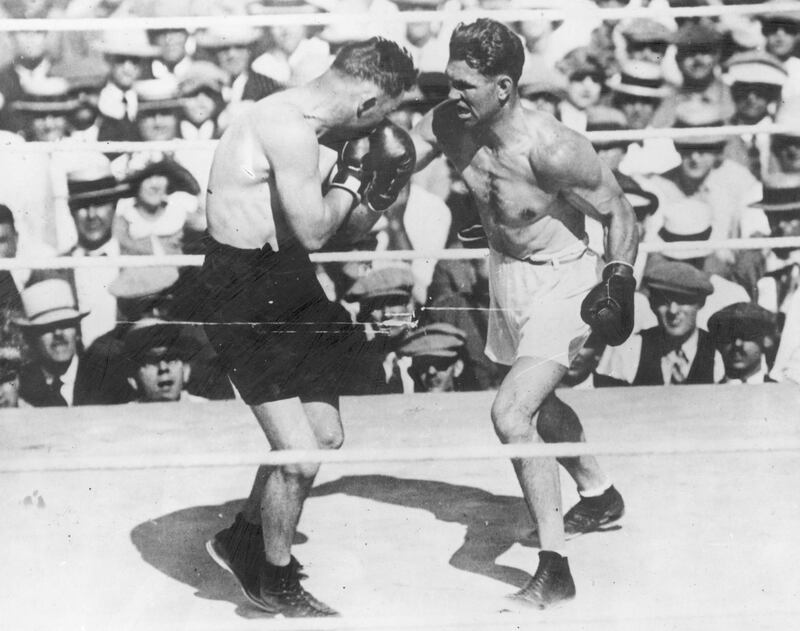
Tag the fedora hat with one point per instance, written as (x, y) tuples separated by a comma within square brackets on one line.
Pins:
[(639, 78), (179, 178), (94, 183), (781, 193), (46, 95), (47, 302)]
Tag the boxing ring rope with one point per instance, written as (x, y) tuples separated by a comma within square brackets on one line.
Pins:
[(628, 135), (192, 23), (53, 463), (195, 260)]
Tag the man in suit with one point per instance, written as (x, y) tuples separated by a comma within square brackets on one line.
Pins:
[(93, 193), (675, 351), (51, 329), (31, 63)]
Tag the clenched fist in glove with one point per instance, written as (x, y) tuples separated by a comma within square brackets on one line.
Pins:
[(375, 169), (608, 308)]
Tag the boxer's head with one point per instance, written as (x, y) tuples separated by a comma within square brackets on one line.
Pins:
[(485, 65), (380, 72)]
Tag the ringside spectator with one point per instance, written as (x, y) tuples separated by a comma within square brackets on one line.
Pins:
[(43, 109), (10, 365), (31, 63), (744, 335), (782, 36), (437, 358)]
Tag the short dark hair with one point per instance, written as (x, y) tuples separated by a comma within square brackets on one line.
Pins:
[(380, 61), (489, 47), (6, 216)]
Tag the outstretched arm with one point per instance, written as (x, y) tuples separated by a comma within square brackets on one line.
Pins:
[(425, 143)]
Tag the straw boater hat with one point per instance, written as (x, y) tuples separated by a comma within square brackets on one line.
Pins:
[(46, 95), (686, 220), (128, 43), (226, 37), (755, 66), (784, 17), (47, 302), (158, 94), (639, 78), (695, 114), (93, 183), (781, 193)]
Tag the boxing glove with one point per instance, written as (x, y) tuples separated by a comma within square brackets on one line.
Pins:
[(388, 165), (348, 173), (608, 308)]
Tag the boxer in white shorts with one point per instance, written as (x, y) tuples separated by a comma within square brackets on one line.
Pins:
[(534, 181)]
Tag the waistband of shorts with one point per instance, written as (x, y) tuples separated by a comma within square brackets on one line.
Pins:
[(565, 255), (266, 251)]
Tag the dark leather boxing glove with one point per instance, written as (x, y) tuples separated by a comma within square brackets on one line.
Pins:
[(348, 173), (608, 308), (388, 165)]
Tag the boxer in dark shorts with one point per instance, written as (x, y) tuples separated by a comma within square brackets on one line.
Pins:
[(284, 343), (272, 324)]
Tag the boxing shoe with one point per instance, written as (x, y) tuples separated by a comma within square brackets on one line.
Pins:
[(239, 549), (594, 513), (552, 584), (281, 593)]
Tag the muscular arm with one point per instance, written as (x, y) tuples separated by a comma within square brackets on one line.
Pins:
[(293, 153), (567, 162), (425, 142)]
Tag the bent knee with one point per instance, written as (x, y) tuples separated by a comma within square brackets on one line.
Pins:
[(331, 440), (512, 422), (300, 471)]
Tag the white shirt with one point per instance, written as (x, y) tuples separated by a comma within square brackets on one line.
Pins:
[(758, 377), (110, 102), (67, 388), (91, 285)]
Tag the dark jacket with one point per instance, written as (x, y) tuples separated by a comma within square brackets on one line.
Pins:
[(654, 348)]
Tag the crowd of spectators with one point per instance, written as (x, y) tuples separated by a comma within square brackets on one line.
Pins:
[(105, 335)]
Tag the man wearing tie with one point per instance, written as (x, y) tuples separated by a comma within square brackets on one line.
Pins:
[(675, 351), (51, 330)]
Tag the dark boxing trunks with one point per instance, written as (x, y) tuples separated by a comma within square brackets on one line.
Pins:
[(272, 324)]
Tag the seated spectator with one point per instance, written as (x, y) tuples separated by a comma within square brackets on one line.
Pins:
[(93, 196), (127, 54), (200, 89), (43, 109), (31, 63), (781, 203), (426, 40), (705, 174), (785, 146), (231, 48), (85, 84), (744, 334), (50, 327), (699, 51), (636, 92), (437, 358), (296, 54), (173, 57), (586, 79), (787, 359), (756, 81), (10, 364), (675, 351), (157, 353), (163, 205), (782, 35), (13, 245), (386, 310)]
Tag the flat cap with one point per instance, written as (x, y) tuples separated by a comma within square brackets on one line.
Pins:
[(434, 340), (744, 320), (646, 30), (385, 282), (697, 37), (676, 277)]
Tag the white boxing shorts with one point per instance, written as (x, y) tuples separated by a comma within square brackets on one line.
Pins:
[(535, 304)]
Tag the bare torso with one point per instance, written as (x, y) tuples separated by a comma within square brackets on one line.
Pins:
[(522, 213), (242, 203)]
